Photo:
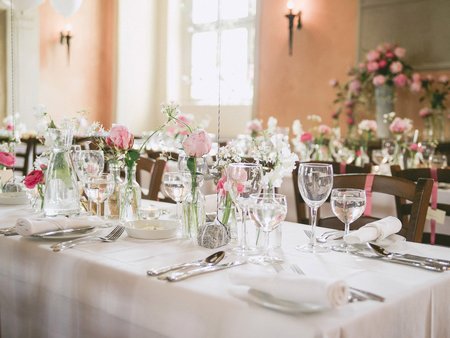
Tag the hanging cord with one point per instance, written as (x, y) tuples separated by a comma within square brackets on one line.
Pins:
[(13, 103), (219, 60)]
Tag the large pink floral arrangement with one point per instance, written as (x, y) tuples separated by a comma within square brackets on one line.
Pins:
[(434, 91)]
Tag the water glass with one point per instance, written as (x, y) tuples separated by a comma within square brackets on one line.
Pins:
[(348, 205), (98, 188), (438, 161), (176, 186), (315, 181)]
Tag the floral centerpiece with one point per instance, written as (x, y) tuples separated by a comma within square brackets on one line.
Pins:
[(434, 94), (399, 128), (367, 132)]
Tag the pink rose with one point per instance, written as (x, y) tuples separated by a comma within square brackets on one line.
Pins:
[(254, 126), (9, 127), (120, 138), (416, 77), (361, 65), (7, 159), (400, 52), (373, 55), (425, 112), (382, 64), (333, 82), (389, 55), (33, 178), (414, 147), (372, 67), (400, 80), (379, 80), (416, 86), (220, 188), (354, 86), (323, 129), (443, 79), (197, 144), (396, 67), (399, 125), (350, 121), (306, 137)]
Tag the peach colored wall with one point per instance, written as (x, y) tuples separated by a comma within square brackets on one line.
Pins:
[(87, 82), (292, 87)]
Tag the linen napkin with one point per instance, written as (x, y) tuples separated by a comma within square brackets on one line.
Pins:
[(374, 231), (30, 226), (292, 287)]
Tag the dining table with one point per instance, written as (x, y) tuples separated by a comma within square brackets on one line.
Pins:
[(103, 290)]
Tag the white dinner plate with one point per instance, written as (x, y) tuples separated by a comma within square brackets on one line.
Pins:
[(13, 198), (64, 235), (152, 229), (268, 301)]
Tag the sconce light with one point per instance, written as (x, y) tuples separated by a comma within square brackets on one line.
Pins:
[(291, 17), (64, 39)]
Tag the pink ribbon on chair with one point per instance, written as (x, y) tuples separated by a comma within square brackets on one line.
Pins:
[(342, 168), (368, 189), (434, 197)]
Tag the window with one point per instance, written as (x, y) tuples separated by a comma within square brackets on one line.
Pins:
[(218, 50)]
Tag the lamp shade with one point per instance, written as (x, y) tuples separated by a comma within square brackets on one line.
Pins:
[(66, 7)]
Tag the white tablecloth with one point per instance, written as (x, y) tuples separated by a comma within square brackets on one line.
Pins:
[(101, 290)]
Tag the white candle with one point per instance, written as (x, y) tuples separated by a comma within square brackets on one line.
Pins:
[(416, 136)]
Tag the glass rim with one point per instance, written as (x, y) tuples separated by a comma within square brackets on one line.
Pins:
[(315, 164), (244, 164), (274, 195), (349, 190)]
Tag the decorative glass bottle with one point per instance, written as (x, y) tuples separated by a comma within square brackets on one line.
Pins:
[(194, 215), (384, 104), (61, 196), (113, 211), (130, 196)]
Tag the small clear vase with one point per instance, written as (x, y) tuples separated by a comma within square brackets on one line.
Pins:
[(226, 214), (362, 158), (194, 215), (61, 195), (113, 206), (130, 196)]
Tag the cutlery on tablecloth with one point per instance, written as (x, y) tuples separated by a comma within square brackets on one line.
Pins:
[(111, 237), (9, 231), (210, 260), (177, 276), (355, 294), (385, 252), (334, 235)]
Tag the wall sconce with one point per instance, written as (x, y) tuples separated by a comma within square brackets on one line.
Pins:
[(64, 39), (291, 17)]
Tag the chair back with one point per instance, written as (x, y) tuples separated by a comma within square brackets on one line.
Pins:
[(155, 170), (443, 176), (300, 204), (166, 155), (25, 151), (411, 200)]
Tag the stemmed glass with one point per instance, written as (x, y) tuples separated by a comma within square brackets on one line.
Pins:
[(88, 163), (348, 205), (98, 188), (315, 181), (243, 179), (268, 210), (176, 186)]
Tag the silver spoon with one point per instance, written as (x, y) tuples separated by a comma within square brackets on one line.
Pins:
[(210, 260)]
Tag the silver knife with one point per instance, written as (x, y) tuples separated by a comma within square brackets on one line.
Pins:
[(423, 258), (177, 276), (63, 231)]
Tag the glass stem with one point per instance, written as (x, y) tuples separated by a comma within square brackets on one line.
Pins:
[(98, 209), (346, 228), (244, 229), (267, 244), (313, 226)]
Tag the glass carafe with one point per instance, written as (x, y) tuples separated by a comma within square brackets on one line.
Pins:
[(61, 196)]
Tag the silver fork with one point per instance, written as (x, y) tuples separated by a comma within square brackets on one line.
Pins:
[(111, 237), (324, 236), (356, 295)]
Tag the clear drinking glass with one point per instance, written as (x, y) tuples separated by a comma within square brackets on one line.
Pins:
[(388, 149), (268, 210), (315, 181), (88, 163), (438, 161), (244, 179), (348, 205), (176, 186), (98, 188)]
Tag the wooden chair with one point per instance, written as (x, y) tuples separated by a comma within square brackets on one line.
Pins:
[(26, 155), (166, 155), (155, 170), (300, 204), (443, 176), (411, 201)]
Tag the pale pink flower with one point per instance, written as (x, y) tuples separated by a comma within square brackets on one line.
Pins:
[(120, 137), (399, 125), (400, 52), (368, 125), (361, 65), (333, 82), (354, 86), (323, 129), (416, 86), (400, 80), (254, 126), (306, 137), (382, 64), (425, 112), (373, 55), (372, 66), (379, 80), (416, 77), (197, 144), (396, 67), (443, 79)]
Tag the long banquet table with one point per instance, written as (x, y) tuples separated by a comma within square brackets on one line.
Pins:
[(101, 290)]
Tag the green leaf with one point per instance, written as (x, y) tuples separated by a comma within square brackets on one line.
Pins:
[(133, 155)]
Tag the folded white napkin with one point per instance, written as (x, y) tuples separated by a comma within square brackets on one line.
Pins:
[(295, 288), (30, 226), (374, 231)]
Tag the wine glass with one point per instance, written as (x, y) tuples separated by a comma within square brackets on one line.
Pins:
[(388, 149), (243, 179), (438, 161), (176, 186), (98, 188), (315, 181), (88, 163), (348, 205), (268, 210), (428, 149)]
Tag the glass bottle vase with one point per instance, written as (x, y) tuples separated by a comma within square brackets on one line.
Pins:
[(61, 195), (194, 215), (113, 210), (130, 196)]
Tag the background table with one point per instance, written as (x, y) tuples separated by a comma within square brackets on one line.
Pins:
[(101, 290)]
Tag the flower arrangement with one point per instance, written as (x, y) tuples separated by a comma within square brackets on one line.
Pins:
[(367, 130), (400, 126)]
